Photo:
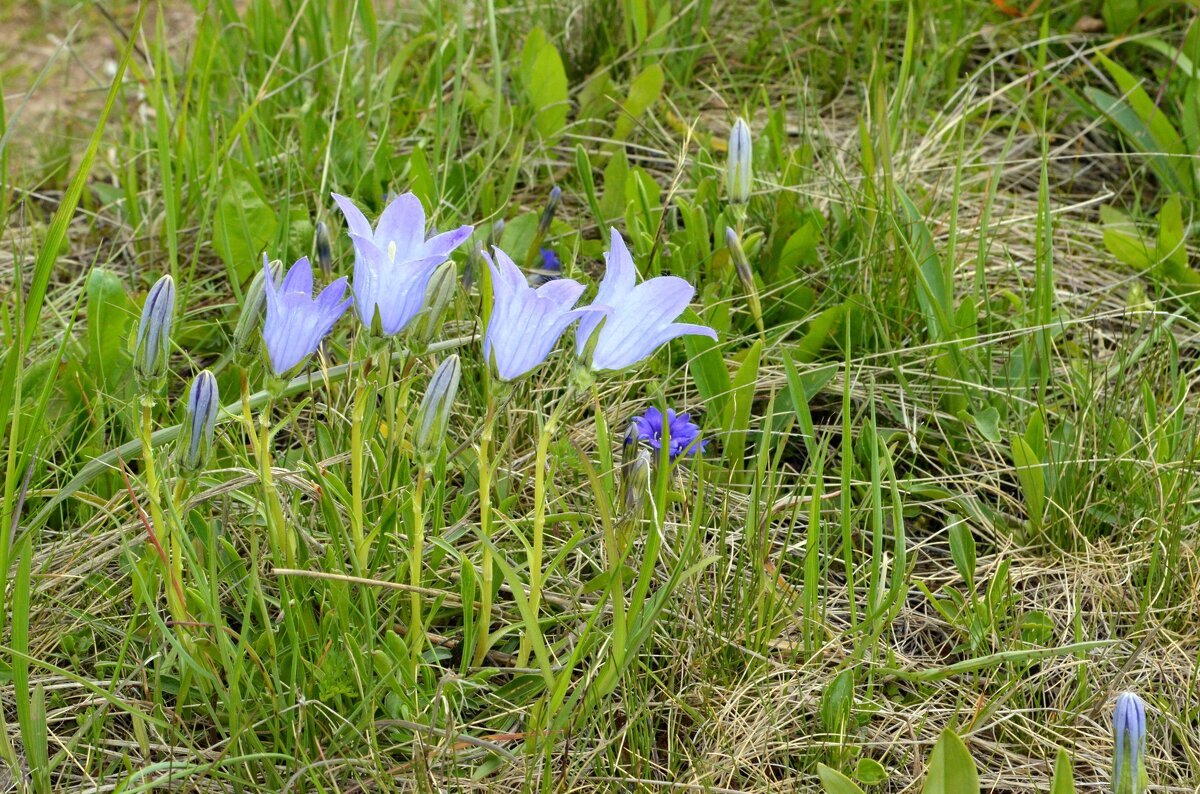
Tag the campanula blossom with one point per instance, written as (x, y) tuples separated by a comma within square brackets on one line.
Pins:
[(296, 322), (683, 433), (738, 171), (526, 323), (1129, 745), (640, 317), (154, 333), (195, 442), (433, 415), (551, 267), (394, 262)]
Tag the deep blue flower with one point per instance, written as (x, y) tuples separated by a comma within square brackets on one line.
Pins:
[(550, 260), (684, 433)]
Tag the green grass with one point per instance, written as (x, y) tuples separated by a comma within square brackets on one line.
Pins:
[(952, 484)]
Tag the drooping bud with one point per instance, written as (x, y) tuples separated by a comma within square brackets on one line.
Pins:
[(196, 436), (429, 431), (548, 212), (738, 171), (246, 339), (324, 250), (1129, 745), (438, 295), (154, 335), (742, 264)]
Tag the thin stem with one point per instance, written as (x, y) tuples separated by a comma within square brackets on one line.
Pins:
[(485, 529), (283, 545), (170, 541), (357, 538), (416, 630)]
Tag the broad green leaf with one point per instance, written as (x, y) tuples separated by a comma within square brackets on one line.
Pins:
[(1170, 234), (870, 772), (244, 225), (1119, 15), (951, 768), (1064, 776), (707, 368), (962, 551), (612, 204), (819, 332), (835, 782), (1166, 159), (739, 410), (1031, 478), (987, 422), (109, 318), (548, 94), (643, 93), (934, 291), (1124, 240)]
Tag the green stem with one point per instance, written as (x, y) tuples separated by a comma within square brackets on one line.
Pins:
[(167, 537), (485, 530), (283, 545), (416, 630), (357, 538)]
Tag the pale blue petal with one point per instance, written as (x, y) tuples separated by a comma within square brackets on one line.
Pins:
[(355, 220), (403, 223)]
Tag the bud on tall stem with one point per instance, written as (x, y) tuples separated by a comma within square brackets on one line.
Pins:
[(438, 296), (195, 442), (324, 250), (246, 339), (429, 432), (1129, 745), (738, 172), (154, 335), (742, 264)]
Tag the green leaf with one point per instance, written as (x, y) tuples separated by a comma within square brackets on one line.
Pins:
[(870, 772), (962, 551), (835, 782), (1170, 234), (987, 422), (818, 334), (109, 318), (245, 223), (739, 410), (1124, 240), (1150, 134), (546, 87), (708, 368), (1064, 776), (951, 768), (643, 93), (1031, 478)]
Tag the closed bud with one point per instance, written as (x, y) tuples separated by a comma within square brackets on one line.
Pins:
[(629, 447), (742, 264), (635, 484), (738, 171), (438, 296), (196, 437), (1129, 745), (324, 251), (246, 337), (154, 335), (548, 213), (429, 433)]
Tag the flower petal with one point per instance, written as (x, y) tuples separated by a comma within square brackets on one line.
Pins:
[(355, 220), (445, 243), (299, 278), (402, 222)]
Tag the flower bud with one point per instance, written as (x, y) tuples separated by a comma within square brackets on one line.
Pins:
[(737, 168), (245, 333), (1129, 745), (324, 251), (196, 437), (635, 484), (439, 294), (548, 213), (154, 334), (742, 264), (629, 447), (429, 432)]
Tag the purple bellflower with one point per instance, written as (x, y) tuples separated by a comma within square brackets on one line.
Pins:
[(640, 317), (296, 322), (1129, 745), (526, 323), (684, 434), (394, 262)]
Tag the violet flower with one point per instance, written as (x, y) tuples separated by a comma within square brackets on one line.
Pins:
[(640, 317), (526, 323), (394, 262), (296, 322), (683, 433)]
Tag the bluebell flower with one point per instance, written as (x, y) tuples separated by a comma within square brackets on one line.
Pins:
[(153, 344), (195, 442), (394, 262), (526, 323), (640, 317), (296, 322), (551, 268), (684, 434), (1129, 745)]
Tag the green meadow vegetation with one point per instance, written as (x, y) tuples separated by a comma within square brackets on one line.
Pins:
[(946, 507)]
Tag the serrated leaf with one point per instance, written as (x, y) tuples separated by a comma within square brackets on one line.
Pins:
[(951, 768)]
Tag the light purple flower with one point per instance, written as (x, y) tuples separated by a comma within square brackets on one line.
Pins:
[(641, 317), (295, 322), (526, 323), (394, 262)]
